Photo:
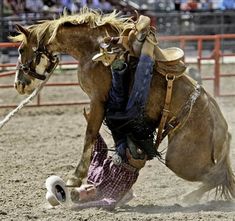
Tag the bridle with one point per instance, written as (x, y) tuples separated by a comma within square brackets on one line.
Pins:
[(42, 50)]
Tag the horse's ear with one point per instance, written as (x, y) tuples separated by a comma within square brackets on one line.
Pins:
[(22, 30)]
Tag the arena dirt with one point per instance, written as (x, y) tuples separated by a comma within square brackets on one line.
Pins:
[(39, 142)]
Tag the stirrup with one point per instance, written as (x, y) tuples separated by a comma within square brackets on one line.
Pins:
[(111, 48), (106, 57)]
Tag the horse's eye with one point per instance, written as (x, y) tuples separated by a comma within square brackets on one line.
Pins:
[(21, 50)]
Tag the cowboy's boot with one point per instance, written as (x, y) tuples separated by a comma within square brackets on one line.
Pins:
[(137, 37)]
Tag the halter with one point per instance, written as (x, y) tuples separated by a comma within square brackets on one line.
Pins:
[(53, 59)]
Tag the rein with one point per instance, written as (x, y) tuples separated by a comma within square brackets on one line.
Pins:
[(26, 68)]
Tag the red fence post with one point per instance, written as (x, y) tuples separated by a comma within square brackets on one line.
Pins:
[(217, 66), (199, 54)]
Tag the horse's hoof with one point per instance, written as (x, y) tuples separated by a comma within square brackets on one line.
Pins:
[(191, 199), (74, 182)]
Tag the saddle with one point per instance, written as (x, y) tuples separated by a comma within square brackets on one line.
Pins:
[(169, 60)]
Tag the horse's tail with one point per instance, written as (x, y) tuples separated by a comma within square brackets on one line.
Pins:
[(221, 176)]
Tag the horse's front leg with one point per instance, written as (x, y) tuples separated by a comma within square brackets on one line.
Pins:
[(94, 122)]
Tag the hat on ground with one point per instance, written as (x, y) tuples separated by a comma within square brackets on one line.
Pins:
[(57, 192)]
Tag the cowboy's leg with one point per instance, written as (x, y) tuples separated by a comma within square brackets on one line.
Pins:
[(118, 91), (139, 93), (143, 76), (141, 132), (116, 103)]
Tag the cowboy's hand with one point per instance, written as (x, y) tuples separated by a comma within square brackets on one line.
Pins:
[(119, 65), (137, 163)]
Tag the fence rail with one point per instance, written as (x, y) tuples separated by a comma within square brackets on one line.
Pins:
[(216, 55)]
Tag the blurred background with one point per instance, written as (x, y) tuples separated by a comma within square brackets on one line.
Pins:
[(172, 17)]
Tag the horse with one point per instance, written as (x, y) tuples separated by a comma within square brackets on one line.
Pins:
[(194, 153)]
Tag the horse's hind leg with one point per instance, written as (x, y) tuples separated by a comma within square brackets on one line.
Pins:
[(96, 116), (196, 195), (220, 176)]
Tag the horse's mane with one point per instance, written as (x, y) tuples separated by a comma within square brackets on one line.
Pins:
[(86, 16)]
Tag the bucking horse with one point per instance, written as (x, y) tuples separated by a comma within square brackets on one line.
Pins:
[(198, 138)]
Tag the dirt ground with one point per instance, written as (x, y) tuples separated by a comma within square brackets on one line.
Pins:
[(39, 142)]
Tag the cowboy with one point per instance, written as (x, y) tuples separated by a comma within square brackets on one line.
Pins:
[(125, 112), (125, 115), (108, 185)]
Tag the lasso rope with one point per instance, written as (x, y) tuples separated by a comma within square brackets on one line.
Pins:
[(25, 101)]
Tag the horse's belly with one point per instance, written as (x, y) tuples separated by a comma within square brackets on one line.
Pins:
[(185, 169), (198, 144), (189, 156)]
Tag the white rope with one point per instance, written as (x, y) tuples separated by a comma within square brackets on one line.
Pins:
[(25, 101)]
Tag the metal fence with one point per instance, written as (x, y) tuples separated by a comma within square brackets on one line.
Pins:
[(215, 57)]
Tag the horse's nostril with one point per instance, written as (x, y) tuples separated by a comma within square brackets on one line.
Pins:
[(15, 85)]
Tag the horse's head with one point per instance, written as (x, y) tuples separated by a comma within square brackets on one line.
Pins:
[(34, 61), (75, 35)]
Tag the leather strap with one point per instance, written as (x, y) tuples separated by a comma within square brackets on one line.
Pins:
[(166, 110), (177, 121), (123, 40)]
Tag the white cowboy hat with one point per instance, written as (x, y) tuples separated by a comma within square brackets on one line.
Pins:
[(57, 192)]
